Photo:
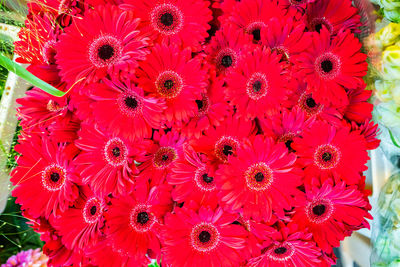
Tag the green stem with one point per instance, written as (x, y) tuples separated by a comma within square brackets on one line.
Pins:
[(29, 77), (393, 139)]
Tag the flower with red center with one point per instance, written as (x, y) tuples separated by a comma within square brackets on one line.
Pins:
[(44, 178), (193, 179), (331, 212), (107, 162), (133, 222), (251, 16), (206, 238), (179, 22), (124, 110), (90, 53), (286, 36), (160, 156), (289, 247), (358, 109), (172, 74), (326, 150), (226, 49), (331, 66), (334, 15), (257, 86), (80, 225), (223, 141), (262, 175)]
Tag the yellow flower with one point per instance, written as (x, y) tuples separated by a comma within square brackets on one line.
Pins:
[(391, 63), (388, 35)]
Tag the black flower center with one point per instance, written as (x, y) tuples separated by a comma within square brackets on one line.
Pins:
[(257, 86), (93, 210), (143, 217), (319, 209), (200, 104), (227, 150), (311, 102), (259, 177), (168, 84), (116, 151), (327, 66), (288, 144), (204, 236), (106, 52), (164, 157), (167, 19), (207, 179), (326, 156), (226, 61), (318, 27), (131, 102), (256, 34), (54, 177), (280, 250)]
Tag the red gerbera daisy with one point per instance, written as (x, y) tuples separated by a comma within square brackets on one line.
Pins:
[(193, 179), (172, 74), (328, 66), (257, 85), (133, 222), (331, 212), (107, 162), (125, 111), (90, 53), (334, 15), (79, 226), (223, 141), (325, 150), (203, 238), (370, 131), (359, 109), (262, 175), (251, 16), (289, 247), (179, 22), (44, 178)]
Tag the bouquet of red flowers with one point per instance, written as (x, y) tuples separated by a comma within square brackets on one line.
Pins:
[(197, 133)]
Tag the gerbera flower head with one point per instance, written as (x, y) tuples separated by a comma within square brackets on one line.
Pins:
[(90, 53), (369, 130), (45, 178), (329, 212), (334, 15), (358, 109), (207, 236), (331, 66), (326, 150), (107, 161), (179, 22), (133, 222), (80, 225), (172, 74), (263, 175), (257, 86), (125, 111)]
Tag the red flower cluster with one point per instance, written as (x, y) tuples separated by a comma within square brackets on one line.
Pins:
[(197, 133)]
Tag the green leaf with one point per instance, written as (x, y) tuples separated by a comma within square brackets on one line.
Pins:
[(154, 264), (29, 77), (393, 139)]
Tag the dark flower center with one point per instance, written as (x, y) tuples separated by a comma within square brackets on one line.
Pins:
[(93, 210), (168, 84), (326, 156), (259, 177), (106, 52), (256, 34), (131, 102), (288, 144), (143, 217), (55, 177), (257, 86), (327, 66), (318, 27), (226, 61), (164, 157), (167, 19), (200, 104), (204, 236), (311, 102), (280, 250), (227, 150), (207, 179), (319, 209), (116, 151)]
